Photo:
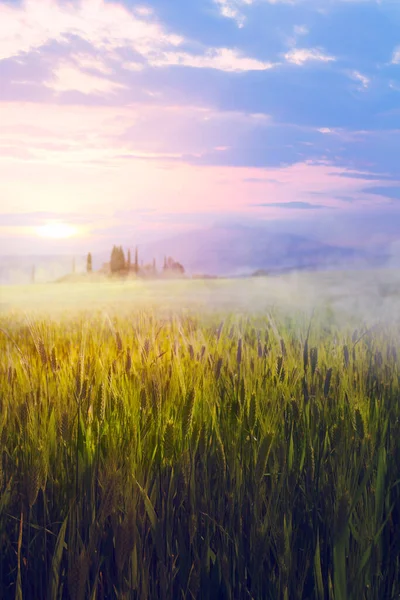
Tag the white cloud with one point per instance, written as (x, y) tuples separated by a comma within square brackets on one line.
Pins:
[(132, 66), (105, 25), (300, 30), (363, 79), (325, 130), (88, 61), (230, 10), (396, 56), (299, 56), (223, 59), (144, 11), (68, 78)]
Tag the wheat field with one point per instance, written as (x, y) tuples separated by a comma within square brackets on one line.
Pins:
[(172, 450)]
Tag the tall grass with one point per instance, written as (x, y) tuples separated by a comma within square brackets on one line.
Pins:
[(198, 457)]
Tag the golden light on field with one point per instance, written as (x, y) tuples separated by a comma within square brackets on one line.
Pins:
[(56, 230)]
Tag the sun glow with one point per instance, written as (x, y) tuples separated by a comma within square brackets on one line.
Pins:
[(56, 230)]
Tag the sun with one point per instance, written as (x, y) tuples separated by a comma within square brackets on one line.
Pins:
[(56, 230)]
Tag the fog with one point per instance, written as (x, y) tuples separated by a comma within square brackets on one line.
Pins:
[(17, 270), (367, 297)]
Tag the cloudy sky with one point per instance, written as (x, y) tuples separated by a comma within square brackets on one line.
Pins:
[(125, 120)]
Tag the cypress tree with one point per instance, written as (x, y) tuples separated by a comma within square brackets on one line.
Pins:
[(122, 262), (114, 260), (89, 264), (136, 260)]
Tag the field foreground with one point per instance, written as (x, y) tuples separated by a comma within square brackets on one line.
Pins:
[(164, 453)]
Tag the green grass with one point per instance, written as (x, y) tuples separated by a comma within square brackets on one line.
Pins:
[(172, 447)]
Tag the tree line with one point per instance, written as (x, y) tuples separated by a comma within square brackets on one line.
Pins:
[(121, 264)]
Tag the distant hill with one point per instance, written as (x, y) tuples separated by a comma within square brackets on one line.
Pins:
[(239, 251), (232, 251)]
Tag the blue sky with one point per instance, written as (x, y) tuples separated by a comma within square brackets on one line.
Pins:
[(181, 113)]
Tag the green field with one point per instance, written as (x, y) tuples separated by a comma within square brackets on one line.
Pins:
[(370, 295), (201, 439)]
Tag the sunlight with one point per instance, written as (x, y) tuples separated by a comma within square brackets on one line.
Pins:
[(56, 230)]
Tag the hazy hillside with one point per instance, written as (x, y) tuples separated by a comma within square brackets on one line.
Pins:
[(242, 250), (220, 250)]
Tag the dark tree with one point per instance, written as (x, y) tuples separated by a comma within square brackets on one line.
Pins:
[(89, 264), (114, 260), (178, 268), (173, 267), (136, 261), (129, 261), (122, 259), (117, 261)]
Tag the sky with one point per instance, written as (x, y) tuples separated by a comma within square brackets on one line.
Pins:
[(124, 121)]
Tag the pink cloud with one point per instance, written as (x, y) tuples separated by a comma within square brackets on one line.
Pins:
[(67, 77), (223, 59), (82, 159), (88, 134)]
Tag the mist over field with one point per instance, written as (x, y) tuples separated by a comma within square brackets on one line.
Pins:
[(363, 296)]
